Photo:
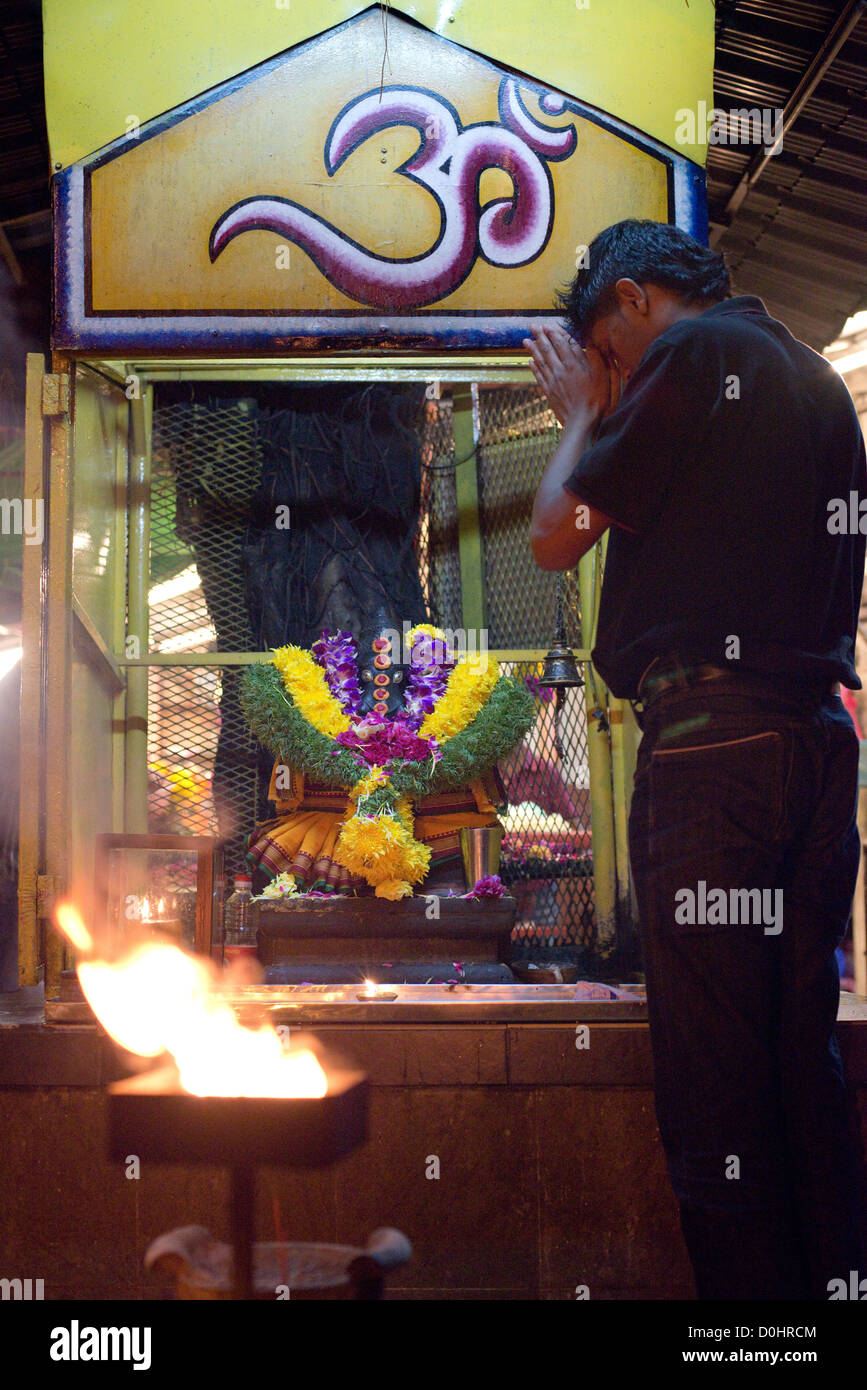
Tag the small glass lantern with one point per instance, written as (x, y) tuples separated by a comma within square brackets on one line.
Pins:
[(158, 885)]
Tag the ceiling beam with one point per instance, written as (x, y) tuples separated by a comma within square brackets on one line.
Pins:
[(10, 258), (811, 77)]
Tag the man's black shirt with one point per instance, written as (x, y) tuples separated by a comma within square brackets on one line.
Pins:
[(718, 466)]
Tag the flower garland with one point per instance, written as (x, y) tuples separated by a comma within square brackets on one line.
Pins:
[(381, 847), (308, 687), (477, 717), (281, 887), (336, 653), (427, 678), (378, 740), (368, 784), (469, 686)]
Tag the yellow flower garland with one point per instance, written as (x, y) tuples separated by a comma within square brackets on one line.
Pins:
[(436, 633), (382, 850), (469, 686), (306, 683), (375, 778)]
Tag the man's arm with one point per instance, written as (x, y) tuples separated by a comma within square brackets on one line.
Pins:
[(580, 390), (563, 527)]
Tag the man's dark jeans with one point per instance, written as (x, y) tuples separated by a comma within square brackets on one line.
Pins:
[(743, 790)]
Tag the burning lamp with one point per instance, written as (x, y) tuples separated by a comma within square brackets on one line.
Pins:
[(231, 1093), (153, 1116), (373, 992), (560, 669)]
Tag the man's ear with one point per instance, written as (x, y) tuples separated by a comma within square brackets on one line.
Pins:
[(630, 295)]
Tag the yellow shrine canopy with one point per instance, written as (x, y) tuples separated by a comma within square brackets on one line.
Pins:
[(412, 177)]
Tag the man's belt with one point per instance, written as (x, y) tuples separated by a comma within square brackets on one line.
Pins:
[(657, 678), (661, 676)]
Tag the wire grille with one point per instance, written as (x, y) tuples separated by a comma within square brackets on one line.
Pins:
[(206, 776), (437, 538), (546, 851), (200, 781), (205, 468), (517, 434)]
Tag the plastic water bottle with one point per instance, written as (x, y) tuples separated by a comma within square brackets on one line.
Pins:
[(239, 939)]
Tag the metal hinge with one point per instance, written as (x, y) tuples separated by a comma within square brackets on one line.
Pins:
[(55, 393), (49, 887)]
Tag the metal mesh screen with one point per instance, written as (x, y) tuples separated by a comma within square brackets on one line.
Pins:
[(546, 851), (205, 777), (204, 774), (205, 468), (437, 539), (183, 728), (517, 433)]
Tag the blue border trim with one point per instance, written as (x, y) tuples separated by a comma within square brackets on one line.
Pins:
[(74, 329), (690, 198)]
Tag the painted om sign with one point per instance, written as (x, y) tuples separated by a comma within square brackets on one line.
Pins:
[(449, 162)]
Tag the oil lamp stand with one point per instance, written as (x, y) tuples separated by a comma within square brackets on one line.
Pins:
[(241, 1205), (153, 1116)]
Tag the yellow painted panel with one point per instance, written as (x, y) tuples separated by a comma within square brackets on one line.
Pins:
[(108, 63), (152, 212)]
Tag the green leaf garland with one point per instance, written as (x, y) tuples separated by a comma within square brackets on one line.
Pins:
[(278, 723)]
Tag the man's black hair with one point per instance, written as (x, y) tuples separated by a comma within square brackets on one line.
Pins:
[(650, 253)]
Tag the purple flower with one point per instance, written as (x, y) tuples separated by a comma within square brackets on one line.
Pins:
[(489, 887), (535, 686), (428, 675), (380, 741), (336, 653)]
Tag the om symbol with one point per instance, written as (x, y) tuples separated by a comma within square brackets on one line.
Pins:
[(449, 162)]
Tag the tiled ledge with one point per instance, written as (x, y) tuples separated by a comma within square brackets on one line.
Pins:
[(500, 1052)]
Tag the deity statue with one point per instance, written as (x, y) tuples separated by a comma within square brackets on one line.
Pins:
[(385, 750)]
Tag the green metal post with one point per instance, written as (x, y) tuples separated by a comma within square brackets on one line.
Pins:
[(136, 779), (624, 745), (118, 627), (469, 531), (602, 827), (58, 643)]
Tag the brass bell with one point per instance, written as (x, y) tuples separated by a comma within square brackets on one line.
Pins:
[(560, 669)]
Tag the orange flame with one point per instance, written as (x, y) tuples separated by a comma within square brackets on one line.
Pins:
[(157, 998), (73, 928)]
